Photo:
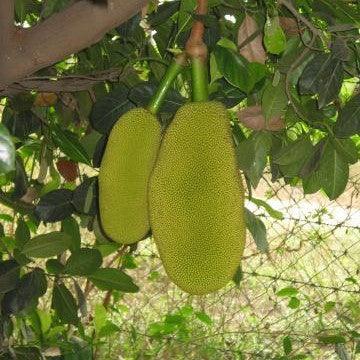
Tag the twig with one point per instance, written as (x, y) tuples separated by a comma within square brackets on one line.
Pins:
[(300, 17)]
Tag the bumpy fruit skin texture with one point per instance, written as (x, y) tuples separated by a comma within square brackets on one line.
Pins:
[(196, 200), (125, 170)]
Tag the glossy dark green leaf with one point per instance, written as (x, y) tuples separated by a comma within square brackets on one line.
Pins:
[(70, 145), (323, 75), (22, 234), (54, 266), (20, 179), (83, 262), (293, 152), (47, 245), (142, 93), (113, 279), (31, 286), (348, 122), (274, 101), (55, 205), (9, 275), (257, 230), (333, 172), (347, 149), (163, 13), (7, 151), (108, 109), (71, 227), (236, 69), (85, 199), (64, 304), (227, 94), (21, 124), (252, 155)]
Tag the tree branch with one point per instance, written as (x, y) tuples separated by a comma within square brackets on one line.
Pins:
[(69, 83), (67, 32), (6, 19)]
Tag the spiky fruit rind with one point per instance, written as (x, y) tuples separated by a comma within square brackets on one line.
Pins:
[(197, 200), (125, 170)]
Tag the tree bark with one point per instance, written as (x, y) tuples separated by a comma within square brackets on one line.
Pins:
[(24, 51)]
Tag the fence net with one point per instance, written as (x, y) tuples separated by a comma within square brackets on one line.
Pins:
[(299, 300)]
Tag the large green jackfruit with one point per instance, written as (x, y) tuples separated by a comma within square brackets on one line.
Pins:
[(196, 200), (124, 175)]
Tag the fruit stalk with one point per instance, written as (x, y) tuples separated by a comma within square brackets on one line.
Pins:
[(197, 51), (173, 71)]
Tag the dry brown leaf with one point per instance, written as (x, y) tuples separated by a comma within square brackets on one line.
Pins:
[(45, 99), (289, 25), (253, 118), (254, 50)]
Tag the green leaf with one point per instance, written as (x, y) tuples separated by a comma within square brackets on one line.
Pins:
[(54, 266), (238, 276), (274, 36), (100, 317), (323, 75), (257, 230), (64, 304), (47, 245), (333, 172), (69, 144), (108, 109), (332, 339), (7, 151), (71, 227), (236, 69), (270, 210), (293, 152), (203, 317), (55, 206), (287, 345), (83, 262), (294, 303), (348, 122), (9, 275), (274, 101), (22, 234), (113, 279), (287, 292), (347, 149), (252, 155)]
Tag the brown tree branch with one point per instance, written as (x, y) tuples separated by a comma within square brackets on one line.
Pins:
[(6, 19), (67, 32), (69, 83)]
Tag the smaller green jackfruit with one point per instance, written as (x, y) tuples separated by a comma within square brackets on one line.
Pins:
[(128, 160), (197, 200)]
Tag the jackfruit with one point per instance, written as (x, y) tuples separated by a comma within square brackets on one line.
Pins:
[(196, 200), (125, 169)]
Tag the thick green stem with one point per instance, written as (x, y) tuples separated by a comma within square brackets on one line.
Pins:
[(173, 71), (200, 88)]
